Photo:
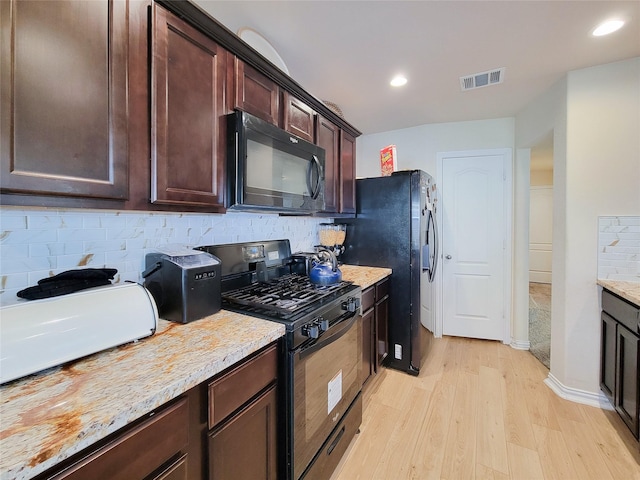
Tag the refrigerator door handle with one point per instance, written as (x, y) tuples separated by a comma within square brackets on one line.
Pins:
[(431, 265)]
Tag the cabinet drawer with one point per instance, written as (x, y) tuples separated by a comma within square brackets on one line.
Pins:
[(336, 445), (382, 289), (623, 311), (138, 452), (368, 298), (235, 388), (176, 471)]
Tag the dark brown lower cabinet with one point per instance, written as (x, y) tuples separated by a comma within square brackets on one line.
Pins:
[(245, 445), (224, 428), (175, 471), (608, 356), (382, 320), (138, 451), (620, 357), (627, 391), (375, 313), (243, 413)]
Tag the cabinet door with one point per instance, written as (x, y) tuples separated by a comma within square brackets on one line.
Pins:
[(627, 393), (347, 173), (382, 338), (328, 137), (63, 80), (187, 123), (608, 356), (299, 118), (246, 445), (256, 94), (368, 345)]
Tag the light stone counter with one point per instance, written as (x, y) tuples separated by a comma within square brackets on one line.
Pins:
[(628, 290), (47, 417), (364, 276)]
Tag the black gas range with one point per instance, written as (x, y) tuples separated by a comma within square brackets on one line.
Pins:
[(321, 371), (263, 280)]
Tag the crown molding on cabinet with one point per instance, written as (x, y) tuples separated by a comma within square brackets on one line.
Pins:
[(230, 41)]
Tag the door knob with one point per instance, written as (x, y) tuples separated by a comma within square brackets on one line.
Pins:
[(448, 257)]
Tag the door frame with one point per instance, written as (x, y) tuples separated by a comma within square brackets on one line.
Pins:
[(507, 165)]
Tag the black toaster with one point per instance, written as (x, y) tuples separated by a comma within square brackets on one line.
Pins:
[(184, 283)]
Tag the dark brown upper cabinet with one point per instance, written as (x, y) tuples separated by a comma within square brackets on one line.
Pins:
[(347, 173), (188, 127), (63, 86), (255, 93), (328, 137), (299, 118)]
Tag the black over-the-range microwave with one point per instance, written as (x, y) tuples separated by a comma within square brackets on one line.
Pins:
[(271, 170)]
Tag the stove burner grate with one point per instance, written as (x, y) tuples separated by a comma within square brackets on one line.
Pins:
[(285, 294)]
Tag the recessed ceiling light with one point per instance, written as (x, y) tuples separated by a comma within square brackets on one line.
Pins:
[(398, 81), (607, 27)]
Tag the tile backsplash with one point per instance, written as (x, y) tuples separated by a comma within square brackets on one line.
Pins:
[(619, 248), (37, 243)]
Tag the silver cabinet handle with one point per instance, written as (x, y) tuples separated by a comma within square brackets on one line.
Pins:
[(448, 257)]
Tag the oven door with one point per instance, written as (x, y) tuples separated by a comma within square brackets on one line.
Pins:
[(326, 380)]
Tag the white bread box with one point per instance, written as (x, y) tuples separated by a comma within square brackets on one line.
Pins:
[(39, 334)]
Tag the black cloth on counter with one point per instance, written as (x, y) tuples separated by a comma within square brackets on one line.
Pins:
[(69, 282)]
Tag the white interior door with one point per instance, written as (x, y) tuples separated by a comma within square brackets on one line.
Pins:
[(475, 234)]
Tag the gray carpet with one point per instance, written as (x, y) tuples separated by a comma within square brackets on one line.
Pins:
[(540, 321)]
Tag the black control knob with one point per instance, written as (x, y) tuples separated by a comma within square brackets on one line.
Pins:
[(311, 330), (324, 324), (351, 305)]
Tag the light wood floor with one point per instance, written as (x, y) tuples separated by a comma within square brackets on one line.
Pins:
[(480, 410)]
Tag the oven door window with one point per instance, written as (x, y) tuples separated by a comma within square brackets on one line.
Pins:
[(325, 383)]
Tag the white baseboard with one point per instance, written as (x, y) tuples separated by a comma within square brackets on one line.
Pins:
[(520, 344), (598, 400)]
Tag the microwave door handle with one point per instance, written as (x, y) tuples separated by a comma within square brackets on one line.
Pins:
[(315, 191)]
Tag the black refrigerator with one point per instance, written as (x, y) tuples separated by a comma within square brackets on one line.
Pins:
[(395, 227)]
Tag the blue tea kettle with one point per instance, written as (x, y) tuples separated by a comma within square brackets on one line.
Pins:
[(325, 269)]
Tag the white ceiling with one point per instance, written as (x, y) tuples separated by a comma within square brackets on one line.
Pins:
[(347, 51)]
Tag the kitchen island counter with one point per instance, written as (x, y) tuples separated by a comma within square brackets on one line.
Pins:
[(47, 417), (630, 291)]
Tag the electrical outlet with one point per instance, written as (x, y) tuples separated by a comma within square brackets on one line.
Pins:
[(398, 351)]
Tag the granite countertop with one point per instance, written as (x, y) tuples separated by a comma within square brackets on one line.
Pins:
[(47, 417), (628, 290), (364, 276)]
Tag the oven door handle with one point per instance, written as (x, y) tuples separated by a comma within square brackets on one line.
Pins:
[(341, 326)]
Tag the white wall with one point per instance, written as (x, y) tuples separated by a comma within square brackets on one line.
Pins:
[(418, 146), (595, 117)]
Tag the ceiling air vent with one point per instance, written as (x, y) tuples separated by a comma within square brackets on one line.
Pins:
[(482, 79)]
